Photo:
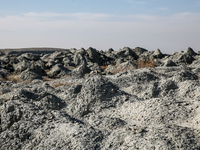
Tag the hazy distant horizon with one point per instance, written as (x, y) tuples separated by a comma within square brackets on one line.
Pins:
[(25, 48), (151, 24)]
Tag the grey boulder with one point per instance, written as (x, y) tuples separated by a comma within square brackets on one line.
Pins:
[(190, 51), (58, 71), (169, 63), (80, 71), (93, 55), (28, 76), (157, 54), (79, 59)]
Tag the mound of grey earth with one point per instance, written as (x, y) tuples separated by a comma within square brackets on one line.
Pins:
[(99, 100)]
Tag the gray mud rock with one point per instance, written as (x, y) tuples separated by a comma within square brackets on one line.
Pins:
[(169, 63), (94, 67), (110, 50), (139, 51), (93, 55), (121, 67), (50, 64), (37, 67), (3, 73), (182, 58), (157, 54), (79, 59), (58, 71), (28, 76), (31, 56), (186, 58), (80, 71), (147, 108), (21, 66), (125, 52), (189, 51), (97, 93)]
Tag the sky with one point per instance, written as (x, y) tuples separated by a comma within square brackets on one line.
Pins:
[(170, 25)]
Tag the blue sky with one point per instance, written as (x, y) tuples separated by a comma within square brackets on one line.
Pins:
[(170, 25)]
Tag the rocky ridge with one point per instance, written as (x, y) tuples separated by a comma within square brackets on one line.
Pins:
[(90, 99)]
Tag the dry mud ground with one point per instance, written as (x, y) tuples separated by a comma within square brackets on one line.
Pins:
[(147, 108)]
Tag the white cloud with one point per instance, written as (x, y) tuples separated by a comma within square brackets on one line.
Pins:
[(77, 16), (100, 30), (187, 16), (44, 14)]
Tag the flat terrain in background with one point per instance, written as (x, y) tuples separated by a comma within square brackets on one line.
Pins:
[(30, 50)]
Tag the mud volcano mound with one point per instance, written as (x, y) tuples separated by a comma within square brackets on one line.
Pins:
[(90, 99)]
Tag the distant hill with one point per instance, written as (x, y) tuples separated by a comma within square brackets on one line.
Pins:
[(31, 50)]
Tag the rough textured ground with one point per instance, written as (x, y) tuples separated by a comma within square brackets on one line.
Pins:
[(91, 99)]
